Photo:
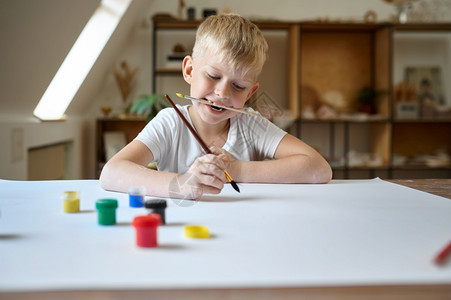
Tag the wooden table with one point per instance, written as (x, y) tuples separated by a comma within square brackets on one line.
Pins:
[(440, 187)]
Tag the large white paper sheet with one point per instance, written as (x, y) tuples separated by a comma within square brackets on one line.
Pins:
[(347, 232)]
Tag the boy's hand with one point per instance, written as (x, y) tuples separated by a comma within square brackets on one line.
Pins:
[(205, 176), (230, 161)]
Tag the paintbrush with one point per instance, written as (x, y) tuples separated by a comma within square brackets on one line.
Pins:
[(201, 142), (240, 110)]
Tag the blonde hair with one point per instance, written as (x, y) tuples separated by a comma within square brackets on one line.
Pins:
[(238, 40)]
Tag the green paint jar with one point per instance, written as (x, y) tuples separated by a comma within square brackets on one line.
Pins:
[(106, 209)]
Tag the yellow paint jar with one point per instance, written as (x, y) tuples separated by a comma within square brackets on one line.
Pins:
[(71, 202)]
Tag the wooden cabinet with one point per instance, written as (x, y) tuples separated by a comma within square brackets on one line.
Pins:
[(326, 65), (129, 128)]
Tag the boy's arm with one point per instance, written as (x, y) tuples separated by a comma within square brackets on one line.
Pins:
[(128, 168), (294, 162)]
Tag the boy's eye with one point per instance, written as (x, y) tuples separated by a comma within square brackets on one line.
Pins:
[(238, 87), (213, 76)]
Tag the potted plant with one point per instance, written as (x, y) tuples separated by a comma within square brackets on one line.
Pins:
[(148, 105), (367, 100)]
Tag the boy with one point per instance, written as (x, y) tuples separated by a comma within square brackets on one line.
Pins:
[(228, 55)]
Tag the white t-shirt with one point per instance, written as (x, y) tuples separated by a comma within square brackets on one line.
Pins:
[(174, 148)]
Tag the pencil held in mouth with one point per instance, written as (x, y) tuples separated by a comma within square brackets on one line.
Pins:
[(200, 141), (216, 106)]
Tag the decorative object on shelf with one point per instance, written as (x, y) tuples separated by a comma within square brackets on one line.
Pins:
[(191, 13), (405, 101), (403, 8), (336, 100), (125, 81), (407, 110), (175, 59), (148, 105), (310, 101), (106, 107), (364, 159), (370, 17), (366, 97), (428, 11), (404, 92), (106, 110), (428, 84), (326, 112), (436, 159), (181, 8), (226, 10), (209, 12)]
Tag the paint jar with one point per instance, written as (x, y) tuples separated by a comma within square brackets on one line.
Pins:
[(106, 209), (146, 230), (157, 206), (136, 196), (71, 202)]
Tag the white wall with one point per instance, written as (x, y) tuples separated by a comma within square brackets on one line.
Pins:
[(35, 37), (20, 136)]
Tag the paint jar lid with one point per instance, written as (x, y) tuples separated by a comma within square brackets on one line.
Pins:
[(106, 203), (137, 190), (70, 195), (150, 220), (196, 231), (155, 203)]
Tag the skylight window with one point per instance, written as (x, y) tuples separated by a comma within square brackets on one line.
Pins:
[(80, 60)]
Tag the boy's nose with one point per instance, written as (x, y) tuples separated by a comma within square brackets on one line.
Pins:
[(222, 90)]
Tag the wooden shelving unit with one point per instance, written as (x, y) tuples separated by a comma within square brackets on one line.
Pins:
[(130, 128), (343, 57)]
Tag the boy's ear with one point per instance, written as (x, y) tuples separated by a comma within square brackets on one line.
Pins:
[(187, 68), (253, 90)]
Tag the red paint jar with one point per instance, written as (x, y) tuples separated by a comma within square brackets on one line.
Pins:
[(146, 230)]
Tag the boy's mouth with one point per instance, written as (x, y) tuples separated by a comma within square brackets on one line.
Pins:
[(214, 107)]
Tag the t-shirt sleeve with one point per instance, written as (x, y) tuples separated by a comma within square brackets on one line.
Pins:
[(267, 137), (261, 136)]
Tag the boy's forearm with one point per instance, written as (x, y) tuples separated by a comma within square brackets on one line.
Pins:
[(119, 176), (292, 169)]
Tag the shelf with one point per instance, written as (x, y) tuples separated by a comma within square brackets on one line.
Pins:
[(192, 24), (125, 118), (360, 168), (411, 166), (345, 120), (167, 23), (423, 27), (334, 27), (424, 120), (419, 166), (168, 71)]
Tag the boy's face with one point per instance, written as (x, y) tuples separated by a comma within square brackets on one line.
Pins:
[(212, 79)]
